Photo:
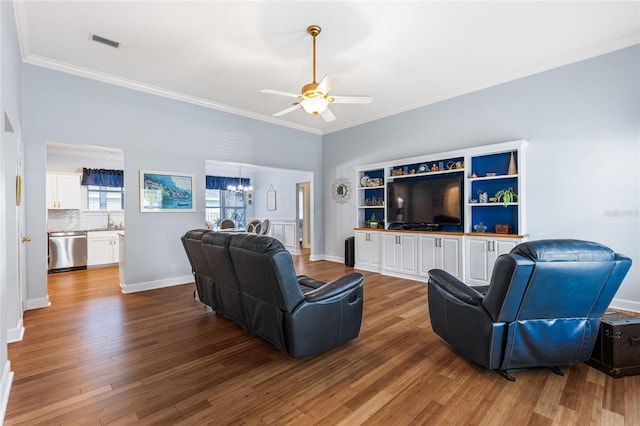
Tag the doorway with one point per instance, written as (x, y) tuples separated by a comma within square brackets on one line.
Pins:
[(274, 196), (303, 214), (89, 198)]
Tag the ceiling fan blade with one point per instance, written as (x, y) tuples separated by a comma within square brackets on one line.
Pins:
[(288, 110), (325, 85), (327, 115), (351, 99), (278, 92)]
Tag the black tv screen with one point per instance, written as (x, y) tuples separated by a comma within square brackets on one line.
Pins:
[(433, 200)]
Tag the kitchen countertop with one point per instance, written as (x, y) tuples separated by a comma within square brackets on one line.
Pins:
[(86, 230)]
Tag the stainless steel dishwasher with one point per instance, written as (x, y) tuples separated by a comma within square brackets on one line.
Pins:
[(67, 251)]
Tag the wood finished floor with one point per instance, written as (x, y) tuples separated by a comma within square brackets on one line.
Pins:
[(99, 357)]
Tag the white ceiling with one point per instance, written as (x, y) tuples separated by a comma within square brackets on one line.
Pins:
[(220, 54)]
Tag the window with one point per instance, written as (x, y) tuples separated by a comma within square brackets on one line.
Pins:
[(222, 204), (105, 198)]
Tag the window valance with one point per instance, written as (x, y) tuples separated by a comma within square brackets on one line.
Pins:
[(222, 182), (103, 177)]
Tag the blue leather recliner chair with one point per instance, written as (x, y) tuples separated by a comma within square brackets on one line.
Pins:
[(541, 309)]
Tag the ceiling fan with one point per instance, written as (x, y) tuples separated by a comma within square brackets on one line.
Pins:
[(314, 97)]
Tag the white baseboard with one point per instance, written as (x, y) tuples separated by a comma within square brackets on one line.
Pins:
[(625, 305), (16, 334), (337, 259), (41, 302), (150, 285), (5, 388)]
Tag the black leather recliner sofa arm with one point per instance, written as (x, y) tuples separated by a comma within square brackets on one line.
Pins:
[(340, 285), (455, 287)]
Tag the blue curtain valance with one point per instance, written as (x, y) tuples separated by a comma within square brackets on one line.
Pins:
[(221, 182), (103, 177)]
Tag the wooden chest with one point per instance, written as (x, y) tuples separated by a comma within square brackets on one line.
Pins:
[(617, 348)]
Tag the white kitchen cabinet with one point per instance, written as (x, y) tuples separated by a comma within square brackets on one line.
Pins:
[(482, 253), (400, 253), (368, 251), (439, 251), (102, 248), (63, 191)]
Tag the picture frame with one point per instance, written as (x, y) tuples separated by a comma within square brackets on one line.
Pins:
[(271, 198), (166, 192)]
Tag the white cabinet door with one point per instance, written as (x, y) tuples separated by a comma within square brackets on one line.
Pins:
[(482, 254), (390, 258), (63, 191), (451, 256), (408, 254), (429, 255), (69, 191), (368, 250), (400, 253), (479, 260), (103, 248), (376, 249), (440, 252), (52, 189), (99, 251), (363, 249)]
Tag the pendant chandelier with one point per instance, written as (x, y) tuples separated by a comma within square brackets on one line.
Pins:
[(240, 188)]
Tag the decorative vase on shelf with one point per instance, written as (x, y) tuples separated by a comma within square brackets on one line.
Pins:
[(513, 170)]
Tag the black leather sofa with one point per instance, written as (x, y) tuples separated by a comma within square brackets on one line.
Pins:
[(541, 309), (250, 279)]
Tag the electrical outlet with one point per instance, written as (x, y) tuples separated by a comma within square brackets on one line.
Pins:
[(172, 268)]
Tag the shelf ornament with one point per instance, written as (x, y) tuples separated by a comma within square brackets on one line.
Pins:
[(512, 170), (341, 190)]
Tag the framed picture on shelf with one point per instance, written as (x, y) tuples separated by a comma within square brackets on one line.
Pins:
[(167, 192)]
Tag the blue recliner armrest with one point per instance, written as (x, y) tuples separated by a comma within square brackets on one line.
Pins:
[(455, 287)]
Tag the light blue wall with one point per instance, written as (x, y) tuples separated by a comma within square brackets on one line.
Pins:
[(583, 177), (156, 134)]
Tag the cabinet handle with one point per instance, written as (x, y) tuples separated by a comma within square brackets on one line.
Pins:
[(488, 245), (493, 246)]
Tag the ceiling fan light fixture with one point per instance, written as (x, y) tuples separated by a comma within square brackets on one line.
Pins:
[(315, 104)]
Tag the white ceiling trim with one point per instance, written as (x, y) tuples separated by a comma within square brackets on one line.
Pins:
[(135, 85), (573, 57)]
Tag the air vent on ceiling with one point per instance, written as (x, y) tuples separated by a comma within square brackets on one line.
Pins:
[(106, 41)]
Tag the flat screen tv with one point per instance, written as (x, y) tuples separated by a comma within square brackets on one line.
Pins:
[(425, 201)]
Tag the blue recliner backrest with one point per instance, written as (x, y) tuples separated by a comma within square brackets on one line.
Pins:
[(555, 279), (553, 318), (571, 279)]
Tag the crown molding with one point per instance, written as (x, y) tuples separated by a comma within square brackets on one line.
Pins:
[(159, 91)]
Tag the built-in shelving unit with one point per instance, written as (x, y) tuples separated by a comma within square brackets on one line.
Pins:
[(489, 169), (371, 195), (491, 173)]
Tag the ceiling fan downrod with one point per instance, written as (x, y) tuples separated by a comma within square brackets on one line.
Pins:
[(314, 30)]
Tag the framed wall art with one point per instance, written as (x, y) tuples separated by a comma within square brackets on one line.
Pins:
[(167, 192), (271, 198)]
